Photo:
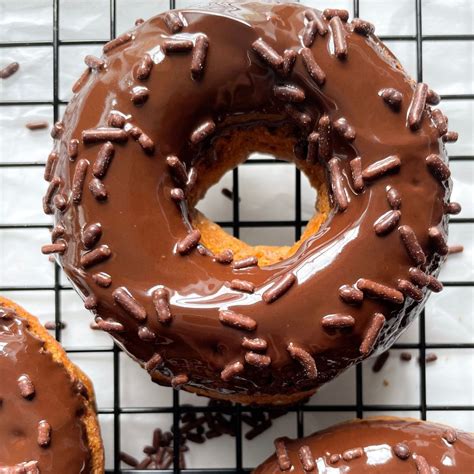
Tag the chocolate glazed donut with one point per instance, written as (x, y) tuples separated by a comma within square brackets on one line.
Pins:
[(151, 127), (391, 445)]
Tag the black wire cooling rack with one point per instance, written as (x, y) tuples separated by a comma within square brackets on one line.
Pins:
[(359, 408)]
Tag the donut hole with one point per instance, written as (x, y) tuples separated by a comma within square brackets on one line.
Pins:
[(232, 148)]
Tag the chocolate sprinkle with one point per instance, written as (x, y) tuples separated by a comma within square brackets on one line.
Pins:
[(58, 231), (418, 277), (372, 334), (434, 284), (350, 294), (44, 433), (255, 344), (60, 202), (27, 389), (57, 130), (405, 356), (438, 167), (268, 54), (198, 60), (146, 334), (432, 97), (392, 97), (379, 291), (58, 247), (325, 140), (313, 143), (36, 125), (431, 357), (96, 256), (174, 22), (337, 321), (50, 162), (104, 157), (453, 208), (334, 458), (102, 279), (73, 148), (203, 131), (381, 167), (351, 454), (104, 134), (9, 70), (78, 180), (177, 169), (283, 459), (177, 194), (178, 381), (394, 199), (98, 190), (242, 285), (306, 458), (289, 93), (305, 359), (452, 249), (129, 304), (144, 68), (91, 302), (301, 118), (345, 130), (109, 326), (279, 288), (94, 62), (410, 290), (387, 222), (450, 137), (50, 192), (417, 106), (380, 361), (339, 37), (231, 370), (440, 121), (140, 95), (116, 120), (175, 45), (363, 27), (225, 257), (245, 263), (438, 241), (77, 86), (337, 186), (313, 68), (422, 466), (237, 320), (315, 17), (414, 250), (91, 235), (332, 12), (257, 360), (188, 243), (162, 306), (356, 173), (289, 59), (153, 362), (119, 41)]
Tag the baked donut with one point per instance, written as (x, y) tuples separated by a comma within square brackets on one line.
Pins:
[(178, 101), (383, 445), (48, 421)]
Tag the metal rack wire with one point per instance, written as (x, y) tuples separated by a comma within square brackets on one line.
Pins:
[(236, 224)]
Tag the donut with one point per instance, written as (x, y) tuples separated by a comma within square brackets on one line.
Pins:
[(182, 98), (48, 418), (384, 445)]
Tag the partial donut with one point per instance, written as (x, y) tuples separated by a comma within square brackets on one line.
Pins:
[(48, 421), (173, 105), (383, 445)]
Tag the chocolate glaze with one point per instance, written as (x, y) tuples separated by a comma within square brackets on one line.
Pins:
[(141, 223), (378, 438), (50, 407)]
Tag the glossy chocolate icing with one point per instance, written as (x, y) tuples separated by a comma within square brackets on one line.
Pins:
[(34, 391), (141, 224), (378, 439)]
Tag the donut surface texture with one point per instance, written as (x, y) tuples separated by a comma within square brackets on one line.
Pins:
[(48, 422), (382, 445), (177, 102)]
